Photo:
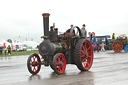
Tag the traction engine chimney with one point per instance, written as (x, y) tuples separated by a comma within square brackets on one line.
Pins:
[(46, 23)]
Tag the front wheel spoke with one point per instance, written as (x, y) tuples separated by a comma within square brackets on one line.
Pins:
[(34, 69), (36, 59), (33, 59)]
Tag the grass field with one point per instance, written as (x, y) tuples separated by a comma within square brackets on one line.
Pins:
[(20, 53)]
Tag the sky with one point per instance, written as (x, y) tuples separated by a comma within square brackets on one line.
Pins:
[(21, 19)]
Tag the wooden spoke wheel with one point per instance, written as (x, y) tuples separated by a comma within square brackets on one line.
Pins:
[(32, 63), (83, 55), (117, 46), (59, 63)]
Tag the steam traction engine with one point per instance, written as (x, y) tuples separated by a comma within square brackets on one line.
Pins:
[(59, 50), (119, 44)]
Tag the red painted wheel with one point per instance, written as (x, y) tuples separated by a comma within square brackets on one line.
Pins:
[(32, 63), (117, 46), (83, 55), (59, 63)]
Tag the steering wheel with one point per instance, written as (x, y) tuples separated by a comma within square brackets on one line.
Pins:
[(75, 32)]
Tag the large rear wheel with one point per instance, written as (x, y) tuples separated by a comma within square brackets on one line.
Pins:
[(117, 46), (83, 55), (32, 63), (59, 63)]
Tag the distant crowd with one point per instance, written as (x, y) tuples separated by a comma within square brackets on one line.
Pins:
[(97, 47), (5, 50)]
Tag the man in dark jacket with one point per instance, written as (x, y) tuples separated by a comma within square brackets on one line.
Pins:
[(9, 50), (68, 31)]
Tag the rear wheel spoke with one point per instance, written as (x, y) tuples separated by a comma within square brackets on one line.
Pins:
[(83, 48), (88, 48)]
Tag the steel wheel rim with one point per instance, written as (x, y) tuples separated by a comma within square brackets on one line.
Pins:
[(33, 63), (86, 48), (117, 46), (60, 63)]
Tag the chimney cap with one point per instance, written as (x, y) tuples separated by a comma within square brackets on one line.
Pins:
[(45, 14)]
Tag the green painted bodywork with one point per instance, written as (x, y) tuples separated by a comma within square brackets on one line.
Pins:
[(124, 42), (63, 46), (59, 47)]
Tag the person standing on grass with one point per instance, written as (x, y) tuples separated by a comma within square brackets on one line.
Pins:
[(9, 50), (1, 50), (5, 50)]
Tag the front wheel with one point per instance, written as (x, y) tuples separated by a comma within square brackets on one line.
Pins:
[(59, 63), (33, 63)]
